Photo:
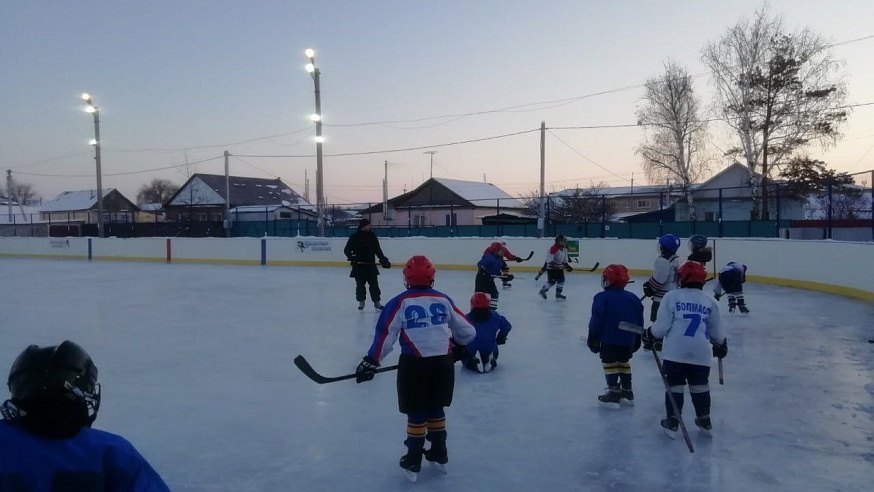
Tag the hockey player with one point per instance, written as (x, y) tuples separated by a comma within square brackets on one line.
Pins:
[(609, 308), (700, 252), (731, 280), (664, 273), (491, 330), (505, 256), (362, 249), (689, 323), (488, 269), (555, 265), (47, 440), (424, 319)]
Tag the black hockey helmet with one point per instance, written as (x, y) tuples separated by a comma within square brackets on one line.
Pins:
[(560, 238), (55, 388)]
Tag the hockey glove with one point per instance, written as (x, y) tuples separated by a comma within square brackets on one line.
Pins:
[(648, 291), (720, 350), (502, 339), (366, 369), (568, 267), (519, 260), (636, 345), (594, 344), (457, 350), (385, 263), (650, 342)]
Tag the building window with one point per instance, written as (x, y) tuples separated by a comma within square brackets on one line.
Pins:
[(217, 217), (201, 216), (419, 220), (643, 204), (454, 221), (183, 216), (710, 216), (284, 215)]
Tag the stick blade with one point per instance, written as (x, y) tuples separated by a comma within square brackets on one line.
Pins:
[(629, 326), (308, 370)]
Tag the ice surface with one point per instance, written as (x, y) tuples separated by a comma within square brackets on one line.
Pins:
[(196, 367)]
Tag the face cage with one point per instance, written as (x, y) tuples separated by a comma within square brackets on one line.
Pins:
[(91, 399)]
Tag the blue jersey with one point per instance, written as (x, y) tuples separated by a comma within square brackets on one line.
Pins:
[(490, 264), (608, 309), (424, 320), (90, 460), (486, 333)]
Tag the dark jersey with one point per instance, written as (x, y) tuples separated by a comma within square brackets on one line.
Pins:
[(92, 460)]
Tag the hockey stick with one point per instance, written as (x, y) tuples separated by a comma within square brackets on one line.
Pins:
[(625, 325), (530, 255), (676, 409), (719, 366), (311, 373)]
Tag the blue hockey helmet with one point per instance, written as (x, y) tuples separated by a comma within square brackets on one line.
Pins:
[(669, 243), (697, 242)]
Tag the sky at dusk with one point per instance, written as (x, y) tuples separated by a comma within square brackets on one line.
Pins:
[(181, 82)]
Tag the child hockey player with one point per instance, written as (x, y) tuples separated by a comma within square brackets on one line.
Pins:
[(609, 308), (505, 255), (424, 319), (555, 265), (491, 330), (689, 323), (700, 251), (488, 269), (664, 273), (731, 280), (46, 435)]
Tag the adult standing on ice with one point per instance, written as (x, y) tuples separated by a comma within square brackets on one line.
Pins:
[(362, 249), (425, 320)]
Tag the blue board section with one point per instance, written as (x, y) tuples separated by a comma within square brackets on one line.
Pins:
[(263, 251)]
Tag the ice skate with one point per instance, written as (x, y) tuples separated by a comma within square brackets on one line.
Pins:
[(507, 285), (377, 305), (627, 397), (611, 398), (705, 425), (437, 455), (559, 296), (361, 305), (412, 464), (670, 425), (743, 309), (472, 364), (543, 293)]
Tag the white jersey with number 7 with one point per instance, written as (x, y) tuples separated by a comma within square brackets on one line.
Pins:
[(688, 319)]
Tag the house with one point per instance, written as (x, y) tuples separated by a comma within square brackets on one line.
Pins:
[(81, 206), (248, 213), (727, 195), (444, 202), (203, 198), (626, 201)]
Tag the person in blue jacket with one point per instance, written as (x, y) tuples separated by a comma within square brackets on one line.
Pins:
[(488, 269), (46, 440), (491, 330), (616, 346)]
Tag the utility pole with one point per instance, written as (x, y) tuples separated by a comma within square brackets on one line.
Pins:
[(431, 188), (306, 186), (385, 214), (227, 195), (9, 192), (541, 221)]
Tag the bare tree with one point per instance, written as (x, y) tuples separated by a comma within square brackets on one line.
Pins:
[(157, 191), (582, 205), (23, 192), (778, 91), (675, 132)]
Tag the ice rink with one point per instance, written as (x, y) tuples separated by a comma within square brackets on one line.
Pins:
[(196, 367)]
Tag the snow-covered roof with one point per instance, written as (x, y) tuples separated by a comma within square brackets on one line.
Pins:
[(478, 193), (30, 213), (70, 201), (619, 191)]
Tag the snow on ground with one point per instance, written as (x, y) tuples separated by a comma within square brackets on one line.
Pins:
[(195, 362)]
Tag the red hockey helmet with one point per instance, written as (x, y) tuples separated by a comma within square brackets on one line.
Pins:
[(614, 276), (495, 247), (419, 272), (692, 272), (480, 300)]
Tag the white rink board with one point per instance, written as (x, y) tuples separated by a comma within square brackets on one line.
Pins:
[(839, 267)]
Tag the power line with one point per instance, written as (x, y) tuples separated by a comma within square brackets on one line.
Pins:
[(584, 157), (121, 174)]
